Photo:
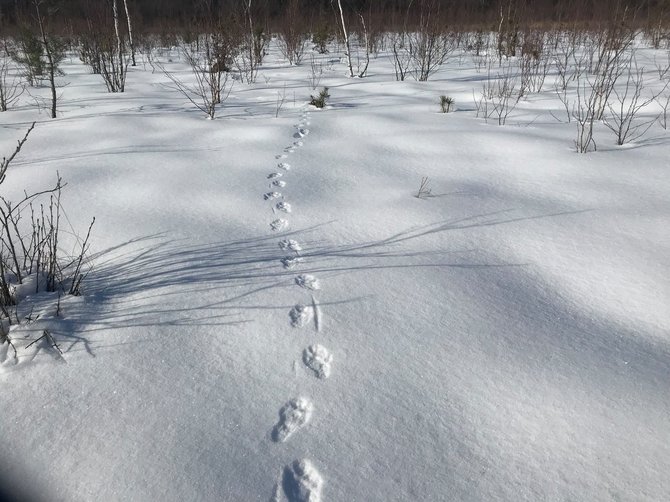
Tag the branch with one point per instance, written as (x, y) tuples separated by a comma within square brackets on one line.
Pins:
[(6, 161)]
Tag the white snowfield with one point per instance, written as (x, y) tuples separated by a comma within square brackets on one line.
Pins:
[(506, 338)]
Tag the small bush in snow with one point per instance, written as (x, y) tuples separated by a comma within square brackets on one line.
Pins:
[(31, 255), (446, 103), (424, 188), (320, 100)]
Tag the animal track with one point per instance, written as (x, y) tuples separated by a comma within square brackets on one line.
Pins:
[(281, 156), (301, 315), (283, 206), (307, 281), (290, 262), (302, 132), (271, 195), (318, 359), (298, 143), (290, 244), (272, 176), (302, 482), (284, 165), (292, 416), (279, 183), (279, 224)]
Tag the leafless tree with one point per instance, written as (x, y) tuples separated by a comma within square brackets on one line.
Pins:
[(11, 86), (663, 101), (120, 78), (401, 54), (363, 67), (345, 35), (130, 33), (52, 58)]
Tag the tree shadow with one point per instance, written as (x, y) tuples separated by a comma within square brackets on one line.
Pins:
[(158, 281)]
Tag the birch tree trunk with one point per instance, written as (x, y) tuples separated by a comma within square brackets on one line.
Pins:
[(252, 45), (130, 33), (119, 45), (50, 58), (346, 38)]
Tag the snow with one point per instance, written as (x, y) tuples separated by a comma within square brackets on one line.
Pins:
[(506, 338)]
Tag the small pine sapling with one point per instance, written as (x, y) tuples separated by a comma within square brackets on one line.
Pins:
[(320, 100), (446, 103)]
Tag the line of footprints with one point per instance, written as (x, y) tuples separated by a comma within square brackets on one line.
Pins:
[(300, 480)]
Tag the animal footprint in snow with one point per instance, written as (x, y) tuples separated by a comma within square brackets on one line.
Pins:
[(271, 195), (293, 415), (285, 166), (290, 244), (307, 281), (281, 156), (301, 315), (302, 482), (302, 132), (272, 176), (283, 206), (298, 143), (279, 224), (279, 183), (318, 359), (289, 149), (290, 262)]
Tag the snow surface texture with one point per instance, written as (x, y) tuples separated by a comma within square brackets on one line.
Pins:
[(505, 339)]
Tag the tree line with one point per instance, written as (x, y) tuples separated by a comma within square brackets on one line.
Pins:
[(153, 16)]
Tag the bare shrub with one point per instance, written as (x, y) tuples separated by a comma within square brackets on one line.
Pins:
[(33, 251), (292, 33), (499, 95), (316, 71), (429, 45), (624, 111), (210, 66), (534, 63)]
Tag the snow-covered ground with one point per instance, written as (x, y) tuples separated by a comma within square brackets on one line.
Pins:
[(507, 338)]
